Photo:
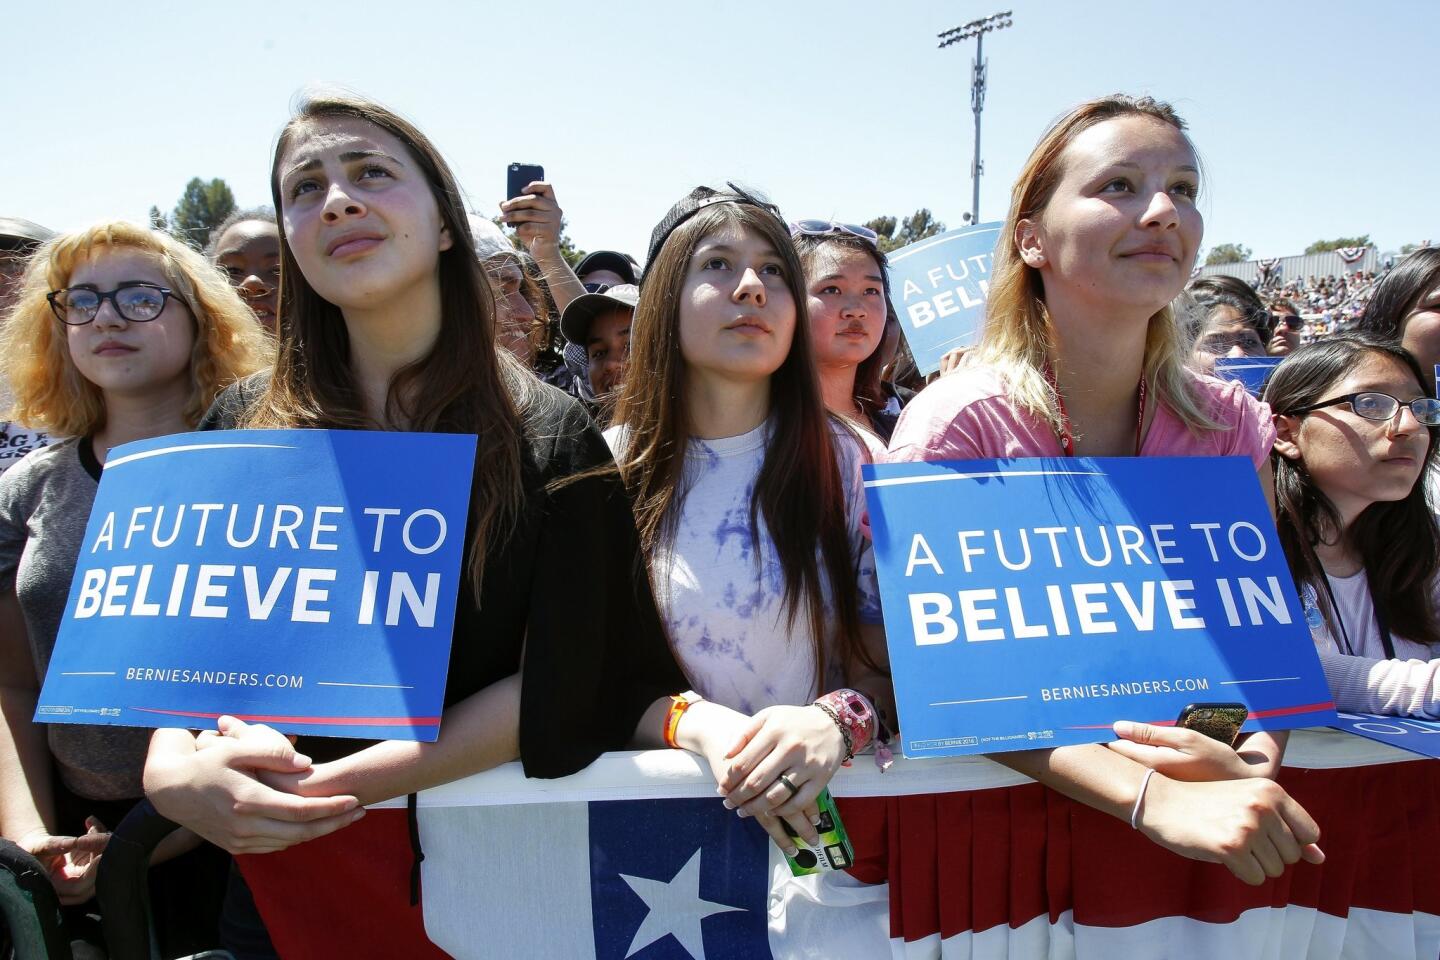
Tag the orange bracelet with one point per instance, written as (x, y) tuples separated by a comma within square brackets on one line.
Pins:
[(679, 703)]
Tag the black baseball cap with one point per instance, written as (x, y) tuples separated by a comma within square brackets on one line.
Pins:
[(18, 234), (697, 200), (582, 311), (620, 264)]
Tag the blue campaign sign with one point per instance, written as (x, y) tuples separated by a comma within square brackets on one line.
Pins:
[(1407, 733), (302, 578), (1251, 371), (938, 287), (1032, 603)]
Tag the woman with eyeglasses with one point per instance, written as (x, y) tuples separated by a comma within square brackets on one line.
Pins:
[(749, 504), (848, 304), (1224, 318), (1356, 430), (1287, 334), (1081, 355), (120, 333)]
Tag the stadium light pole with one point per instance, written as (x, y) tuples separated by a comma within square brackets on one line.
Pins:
[(976, 29)]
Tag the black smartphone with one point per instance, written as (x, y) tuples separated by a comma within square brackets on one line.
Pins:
[(1218, 721), (520, 176)]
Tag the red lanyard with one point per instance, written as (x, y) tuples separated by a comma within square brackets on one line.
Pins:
[(1067, 436)]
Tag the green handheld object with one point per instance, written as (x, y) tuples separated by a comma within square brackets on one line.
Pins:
[(833, 852)]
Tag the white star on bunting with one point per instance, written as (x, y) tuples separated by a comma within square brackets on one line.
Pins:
[(675, 908)]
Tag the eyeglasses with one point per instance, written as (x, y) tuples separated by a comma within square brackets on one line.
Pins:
[(135, 302), (821, 228), (1381, 407)]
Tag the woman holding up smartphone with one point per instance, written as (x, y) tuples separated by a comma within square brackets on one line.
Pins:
[(1082, 356), (749, 503), (1357, 430)]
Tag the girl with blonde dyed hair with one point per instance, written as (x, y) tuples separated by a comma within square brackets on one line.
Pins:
[(120, 333), (36, 357), (1081, 355)]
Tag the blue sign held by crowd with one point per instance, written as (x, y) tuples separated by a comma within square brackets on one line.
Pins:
[(1251, 371), (1407, 733), (302, 578), (939, 286), (1032, 603)]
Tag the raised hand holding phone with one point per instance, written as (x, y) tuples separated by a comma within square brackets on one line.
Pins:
[(532, 210)]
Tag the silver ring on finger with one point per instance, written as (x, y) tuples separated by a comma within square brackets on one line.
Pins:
[(785, 780)]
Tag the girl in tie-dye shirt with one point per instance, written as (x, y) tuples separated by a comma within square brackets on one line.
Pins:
[(748, 498)]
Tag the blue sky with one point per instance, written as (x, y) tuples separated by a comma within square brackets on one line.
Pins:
[(1313, 119)]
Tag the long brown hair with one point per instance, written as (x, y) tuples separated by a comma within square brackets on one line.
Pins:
[(798, 492), (868, 392), (463, 385), (1017, 339), (1397, 542)]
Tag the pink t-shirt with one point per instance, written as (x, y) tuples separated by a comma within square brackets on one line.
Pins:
[(967, 416)]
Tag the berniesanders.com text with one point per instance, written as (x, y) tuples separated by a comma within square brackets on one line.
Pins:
[(1128, 688), (218, 678)]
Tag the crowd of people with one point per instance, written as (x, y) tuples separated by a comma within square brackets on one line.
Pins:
[(703, 419)]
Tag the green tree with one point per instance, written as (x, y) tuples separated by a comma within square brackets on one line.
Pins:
[(158, 220), (917, 226), (572, 254), (1409, 248), (1325, 246), (884, 228), (1227, 253), (200, 209)]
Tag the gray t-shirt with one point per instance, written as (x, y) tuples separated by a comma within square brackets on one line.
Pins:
[(45, 502)]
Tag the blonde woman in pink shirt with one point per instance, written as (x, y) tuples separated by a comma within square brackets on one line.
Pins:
[(1082, 356)]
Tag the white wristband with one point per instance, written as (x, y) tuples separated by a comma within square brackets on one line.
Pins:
[(1140, 798)]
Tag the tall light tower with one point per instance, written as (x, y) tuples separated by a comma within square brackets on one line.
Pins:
[(976, 29)]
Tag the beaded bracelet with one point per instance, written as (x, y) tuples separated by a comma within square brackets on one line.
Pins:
[(854, 716), (844, 730)]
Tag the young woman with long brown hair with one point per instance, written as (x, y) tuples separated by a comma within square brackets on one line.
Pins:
[(1081, 355), (748, 499), (848, 306), (1357, 430), (388, 322)]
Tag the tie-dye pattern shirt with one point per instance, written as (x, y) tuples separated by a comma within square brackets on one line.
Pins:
[(720, 592)]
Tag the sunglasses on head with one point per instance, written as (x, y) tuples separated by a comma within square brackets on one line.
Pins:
[(822, 228)]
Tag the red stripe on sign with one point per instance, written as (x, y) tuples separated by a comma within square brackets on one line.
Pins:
[(1277, 712), (337, 721)]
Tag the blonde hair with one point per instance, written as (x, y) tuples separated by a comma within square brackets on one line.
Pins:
[(49, 391), (1016, 341)]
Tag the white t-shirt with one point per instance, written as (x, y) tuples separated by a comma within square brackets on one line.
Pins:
[(721, 594), (1363, 679)]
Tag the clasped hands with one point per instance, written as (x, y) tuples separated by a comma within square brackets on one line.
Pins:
[(242, 787), (1211, 802), (772, 767)]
